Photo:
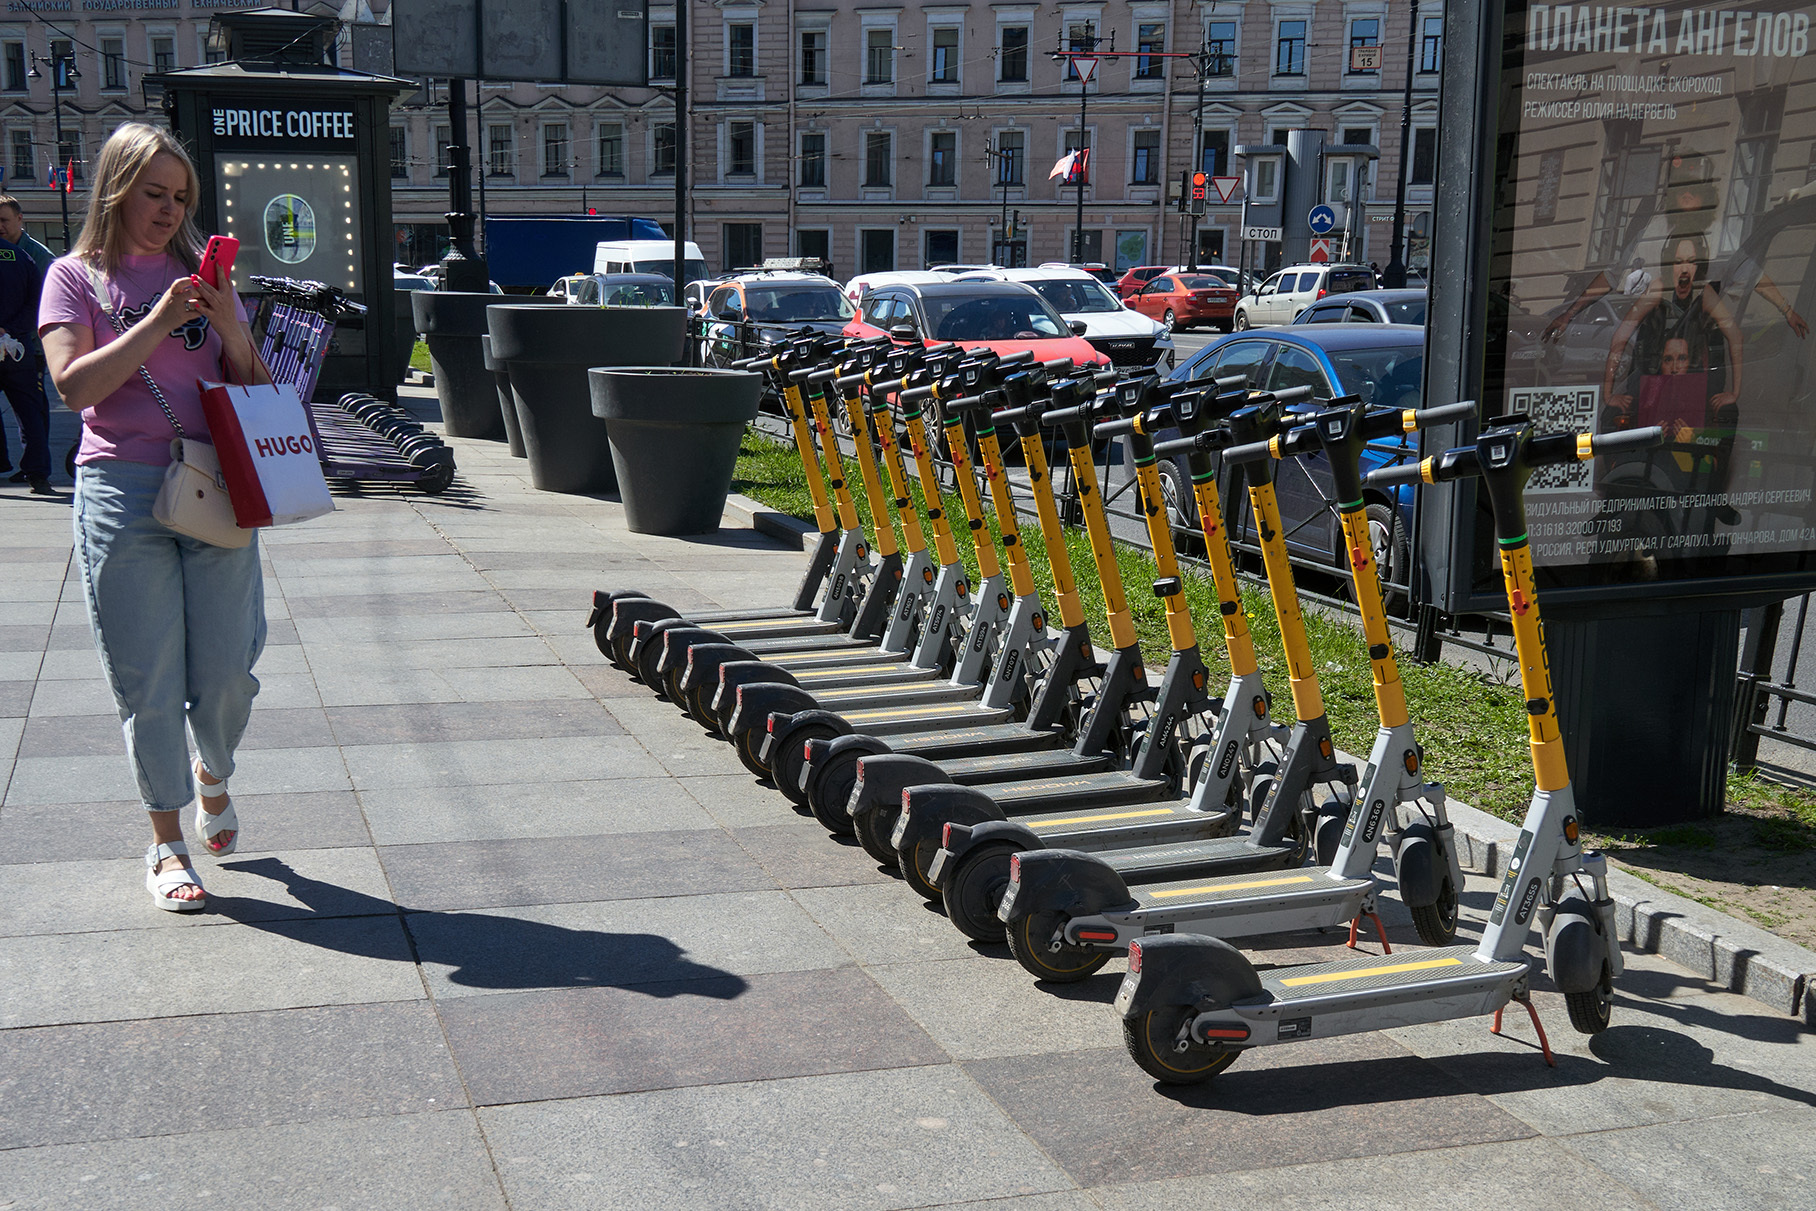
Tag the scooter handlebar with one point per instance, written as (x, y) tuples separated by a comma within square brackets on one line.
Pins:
[(1444, 414), (1397, 477), (914, 395), (1630, 439)]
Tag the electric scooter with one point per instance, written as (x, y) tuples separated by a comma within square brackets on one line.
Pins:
[(1071, 910), (1190, 1005)]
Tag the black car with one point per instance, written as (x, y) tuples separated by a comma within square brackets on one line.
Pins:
[(1384, 364)]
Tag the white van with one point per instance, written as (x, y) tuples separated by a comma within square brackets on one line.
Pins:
[(648, 256)]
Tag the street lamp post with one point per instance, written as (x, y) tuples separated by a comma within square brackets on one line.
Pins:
[(62, 72), (1395, 274), (999, 159), (1204, 67)]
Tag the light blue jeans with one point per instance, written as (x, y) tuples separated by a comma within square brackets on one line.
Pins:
[(178, 623)]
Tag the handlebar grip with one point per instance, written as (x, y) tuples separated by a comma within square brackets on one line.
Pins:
[(914, 395), (753, 363), (1058, 366), (1630, 439), (1395, 477), (969, 403), (1444, 414), (845, 382), (1292, 395), (1253, 452), (1017, 358), (1105, 378), (943, 348), (1179, 445), (1060, 416), (1114, 428)]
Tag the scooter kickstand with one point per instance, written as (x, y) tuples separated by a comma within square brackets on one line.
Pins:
[(1533, 1013), (1380, 931)]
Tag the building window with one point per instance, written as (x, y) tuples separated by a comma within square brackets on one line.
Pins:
[(741, 148), (741, 50), (1424, 156), (163, 52), (1289, 49), (444, 135), (942, 158), (611, 149), (1011, 163), (400, 154), (209, 53), (501, 150), (113, 63), (1214, 153), (1363, 32), (1431, 44), (662, 52), (877, 146), (25, 166), (941, 247), (662, 163), (813, 56), (743, 245), (555, 150), (1220, 46), (814, 243), (1013, 57), (15, 68), (813, 161), (1150, 40), (876, 250), (1081, 38), (1264, 179), (879, 56), (1145, 168), (945, 56)]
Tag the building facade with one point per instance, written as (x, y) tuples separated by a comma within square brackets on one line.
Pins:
[(880, 135)]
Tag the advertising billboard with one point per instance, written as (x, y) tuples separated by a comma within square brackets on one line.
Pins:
[(1653, 262)]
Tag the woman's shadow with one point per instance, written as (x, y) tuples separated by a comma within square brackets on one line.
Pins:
[(479, 950)]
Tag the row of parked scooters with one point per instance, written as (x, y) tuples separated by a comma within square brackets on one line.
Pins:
[(972, 738)]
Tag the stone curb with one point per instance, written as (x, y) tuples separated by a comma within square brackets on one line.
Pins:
[(1723, 950)]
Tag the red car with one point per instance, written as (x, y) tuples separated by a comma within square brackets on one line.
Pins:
[(1186, 300), (1006, 317), (1136, 278)]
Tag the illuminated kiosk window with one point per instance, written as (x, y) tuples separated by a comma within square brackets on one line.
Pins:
[(293, 220)]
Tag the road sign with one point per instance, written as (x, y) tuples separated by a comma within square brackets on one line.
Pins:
[(1365, 58), (1084, 67), (1261, 233), (1321, 251), (1321, 219), (1225, 187)]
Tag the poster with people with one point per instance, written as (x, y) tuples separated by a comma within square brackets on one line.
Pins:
[(1655, 264)]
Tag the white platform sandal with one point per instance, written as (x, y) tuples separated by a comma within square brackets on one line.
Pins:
[(161, 885), (208, 826)]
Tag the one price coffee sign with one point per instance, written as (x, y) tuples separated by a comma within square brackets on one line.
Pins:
[(278, 127), (1659, 224)]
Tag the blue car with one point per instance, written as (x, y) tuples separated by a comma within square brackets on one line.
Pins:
[(1384, 364)]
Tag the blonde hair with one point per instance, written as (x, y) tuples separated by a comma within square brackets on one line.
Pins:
[(125, 156)]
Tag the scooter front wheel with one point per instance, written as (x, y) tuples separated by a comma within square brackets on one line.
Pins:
[(1590, 1011), (1030, 941), (1150, 1040)]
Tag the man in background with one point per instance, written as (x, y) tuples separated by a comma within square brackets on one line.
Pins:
[(12, 230), (21, 357)]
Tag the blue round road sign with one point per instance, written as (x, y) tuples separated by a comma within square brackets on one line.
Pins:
[(1321, 219)]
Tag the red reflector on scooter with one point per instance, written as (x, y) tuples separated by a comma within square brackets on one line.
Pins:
[(1232, 1033), (1097, 935), (769, 725), (1015, 868), (946, 835), (1134, 958), (905, 791), (807, 750)]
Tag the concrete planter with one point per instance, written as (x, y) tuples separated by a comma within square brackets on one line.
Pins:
[(548, 352), (507, 406), (451, 323), (674, 435)]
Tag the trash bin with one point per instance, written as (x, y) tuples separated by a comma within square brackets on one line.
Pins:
[(674, 434), (548, 352), (452, 322), (507, 407)]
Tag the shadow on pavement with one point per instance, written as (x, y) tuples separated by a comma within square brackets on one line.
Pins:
[(481, 950)]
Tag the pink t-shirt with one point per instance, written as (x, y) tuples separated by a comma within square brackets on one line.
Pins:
[(128, 425)]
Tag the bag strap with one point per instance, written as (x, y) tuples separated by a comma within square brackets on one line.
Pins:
[(99, 285)]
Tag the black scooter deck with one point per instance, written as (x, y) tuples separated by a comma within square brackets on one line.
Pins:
[(866, 675), (1021, 766), (1198, 873), (1078, 791), (925, 716), (793, 626), (982, 740)]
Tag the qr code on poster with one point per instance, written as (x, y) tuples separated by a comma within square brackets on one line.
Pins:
[(1559, 410)]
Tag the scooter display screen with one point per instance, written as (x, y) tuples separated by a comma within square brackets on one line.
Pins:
[(295, 216), (1655, 264)]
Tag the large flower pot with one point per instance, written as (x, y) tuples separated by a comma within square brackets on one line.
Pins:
[(549, 351), (507, 407), (674, 435), (403, 332), (451, 322)]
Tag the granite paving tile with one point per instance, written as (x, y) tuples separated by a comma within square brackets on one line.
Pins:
[(1720, 1164), (617, 943), (116, 1080), (408, 627), (93, 735), (355, 548), (451, 578), (76, 897), (519, 763), (553, 809), (1104, 1120), (884, 923), (488, 652), (532, 1046), (400, 606), (38, 781), (410, 1162), (70, 664), (1438, 1179), (117, 975), (74, 633), (22, 666), (15, 698), (29, 613), (905, 1138), (979, 1009), (800, 853), (604, 681), (426, 722), (78, 831), (737, 800), (24, 638), (568, 870)]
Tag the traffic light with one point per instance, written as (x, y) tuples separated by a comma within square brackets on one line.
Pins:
[(1201, 183)]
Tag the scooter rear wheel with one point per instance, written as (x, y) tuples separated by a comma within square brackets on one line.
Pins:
[(1029, 938), (829, 788), (747, 745), (700, 707), (1437, 923), (974, 887), (913, 866), (1150, 1044), (876, 833), (786, 762)]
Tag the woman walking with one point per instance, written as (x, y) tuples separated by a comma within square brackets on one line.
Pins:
[(127, 331)]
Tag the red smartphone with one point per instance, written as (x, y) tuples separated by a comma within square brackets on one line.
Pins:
[(217, 260)]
